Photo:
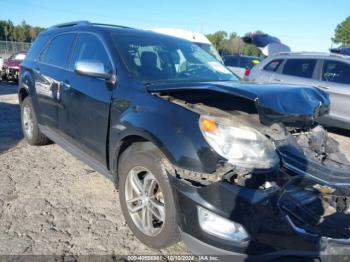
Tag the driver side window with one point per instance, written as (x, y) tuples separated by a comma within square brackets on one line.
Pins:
[(89, 47)]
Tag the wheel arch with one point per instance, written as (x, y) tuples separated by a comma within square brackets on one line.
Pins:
[(26, 83), (125, 143), (22, 94)]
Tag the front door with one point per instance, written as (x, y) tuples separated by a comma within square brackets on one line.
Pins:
[(335, 79), (86, 100)]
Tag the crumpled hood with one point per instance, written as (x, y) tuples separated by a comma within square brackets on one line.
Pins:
[(290, 104)]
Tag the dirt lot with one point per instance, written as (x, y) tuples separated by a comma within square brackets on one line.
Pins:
[(51, 203)]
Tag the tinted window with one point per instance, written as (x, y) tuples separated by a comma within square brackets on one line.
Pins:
[(337, 72), (273, 65), (231, 61), (89, 47), (299, 67), (58, 51), (37, 46)]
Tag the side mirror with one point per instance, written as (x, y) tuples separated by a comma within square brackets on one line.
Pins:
[(92, 68)]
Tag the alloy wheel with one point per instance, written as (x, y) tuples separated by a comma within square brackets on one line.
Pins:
[(28, 123), (145, 201)]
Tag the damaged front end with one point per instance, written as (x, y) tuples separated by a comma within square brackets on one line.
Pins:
[(285, 181)]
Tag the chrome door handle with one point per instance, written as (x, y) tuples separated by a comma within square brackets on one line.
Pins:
[(278, 80)]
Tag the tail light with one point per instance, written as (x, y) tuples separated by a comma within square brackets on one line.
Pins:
[(247, 72)]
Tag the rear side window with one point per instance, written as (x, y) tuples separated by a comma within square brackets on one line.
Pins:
[(273, 65), (89, 47), (299, 67), (337, 72), (37, 46), (58, 51)]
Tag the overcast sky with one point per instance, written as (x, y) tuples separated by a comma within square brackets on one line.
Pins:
[(303, 25)]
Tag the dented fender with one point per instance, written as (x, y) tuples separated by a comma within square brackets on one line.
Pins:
[(172, 128)]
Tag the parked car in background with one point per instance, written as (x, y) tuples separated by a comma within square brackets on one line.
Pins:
[(341, 50), (199, 39), (327, 71), (11, 66), (241, 65)]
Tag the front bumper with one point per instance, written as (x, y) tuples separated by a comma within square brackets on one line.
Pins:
[(10, 72), (272, 233)]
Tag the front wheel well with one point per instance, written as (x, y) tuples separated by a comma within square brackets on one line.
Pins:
[(125, 144)]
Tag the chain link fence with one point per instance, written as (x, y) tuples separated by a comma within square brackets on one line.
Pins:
[(8, 47)]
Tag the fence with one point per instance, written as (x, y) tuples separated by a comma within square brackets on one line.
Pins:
[(8, 47)]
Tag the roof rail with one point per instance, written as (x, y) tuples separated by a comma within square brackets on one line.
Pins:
[(85, 23), (110, 25), (306, 53), (76, 23)]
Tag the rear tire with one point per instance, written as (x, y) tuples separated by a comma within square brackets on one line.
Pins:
[(30, 126), (147, 167)]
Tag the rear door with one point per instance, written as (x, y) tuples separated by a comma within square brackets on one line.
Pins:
[(85, 100), (264, 73), (48, 73), (296, 71), (335, 79)]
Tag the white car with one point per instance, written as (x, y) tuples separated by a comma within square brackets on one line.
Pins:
[(195, 37)]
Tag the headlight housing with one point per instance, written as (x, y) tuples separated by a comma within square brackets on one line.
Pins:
[(241, 145)]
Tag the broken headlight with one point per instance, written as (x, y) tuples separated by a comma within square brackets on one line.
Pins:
[(241, 145)]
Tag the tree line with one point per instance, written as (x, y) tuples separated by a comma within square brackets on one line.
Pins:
[(228, 44), (19, 33), (231, 43), (225, 43), (342, 33)]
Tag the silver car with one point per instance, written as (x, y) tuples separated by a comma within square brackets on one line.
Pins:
[(327, 71)]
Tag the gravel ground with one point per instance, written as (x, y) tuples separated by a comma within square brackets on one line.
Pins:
[(52, 204)]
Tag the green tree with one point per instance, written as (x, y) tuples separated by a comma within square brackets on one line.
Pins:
[(342, 33), (22, 32), (251, 50), (217, 39), (8, 29), (229, 44)]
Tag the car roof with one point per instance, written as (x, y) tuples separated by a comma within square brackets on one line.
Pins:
[(309, 55), (97, 27), (189, 35), (245, 56)]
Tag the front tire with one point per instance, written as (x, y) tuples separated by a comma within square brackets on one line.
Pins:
[(30, 126), (146, 197)]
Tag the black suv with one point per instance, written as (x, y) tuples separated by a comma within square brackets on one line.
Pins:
[(232, 168)]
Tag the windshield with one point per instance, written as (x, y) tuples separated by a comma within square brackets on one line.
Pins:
[(211, 50), (166, 59)]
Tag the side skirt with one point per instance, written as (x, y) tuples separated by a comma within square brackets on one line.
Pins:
[(75, 151)]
